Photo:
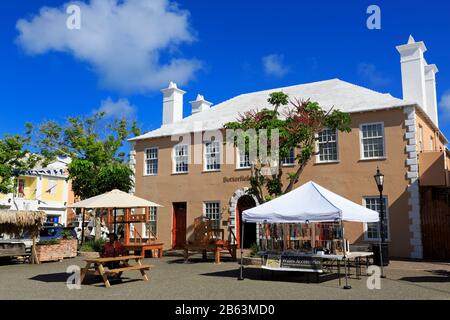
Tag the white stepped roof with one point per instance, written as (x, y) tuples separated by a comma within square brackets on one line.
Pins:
[(335, 93)]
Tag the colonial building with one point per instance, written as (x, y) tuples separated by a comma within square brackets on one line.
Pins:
[(46, 189), (400, 136)]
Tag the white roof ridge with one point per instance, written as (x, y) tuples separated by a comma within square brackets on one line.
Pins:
[(341, 94)]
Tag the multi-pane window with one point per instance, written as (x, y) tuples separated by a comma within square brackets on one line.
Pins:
[(420, 139), (151, 225), (212, 155), (327, 145), (151, 161), (372, 140), (373, 228), (21, 188), (212, 211), (290, 159), (181, 158), (244, 159)]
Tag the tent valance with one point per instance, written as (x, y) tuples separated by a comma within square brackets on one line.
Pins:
[(309, 203), (114, 199)]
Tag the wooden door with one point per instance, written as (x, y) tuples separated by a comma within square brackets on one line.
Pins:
[(435, 215), (179, 225)]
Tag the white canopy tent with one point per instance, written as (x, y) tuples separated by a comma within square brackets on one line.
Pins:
[(309, 203)]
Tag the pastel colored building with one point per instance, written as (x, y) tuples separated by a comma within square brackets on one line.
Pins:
[(400, 136), (46, 189)]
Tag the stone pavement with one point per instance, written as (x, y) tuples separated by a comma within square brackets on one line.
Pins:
[(173, 279)]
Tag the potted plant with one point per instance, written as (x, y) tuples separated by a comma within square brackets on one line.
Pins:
[(92, 249)]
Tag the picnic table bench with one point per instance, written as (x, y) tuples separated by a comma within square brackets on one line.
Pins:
[(143, 247), (99, 267)]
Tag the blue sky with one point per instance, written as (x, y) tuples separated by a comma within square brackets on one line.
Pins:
[(215, 48)]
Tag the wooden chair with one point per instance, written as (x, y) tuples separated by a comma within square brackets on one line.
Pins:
[(206, 238)]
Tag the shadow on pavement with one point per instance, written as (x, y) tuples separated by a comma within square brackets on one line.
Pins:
[(436, 276), (51, 277), (5, 261), (279, 276)]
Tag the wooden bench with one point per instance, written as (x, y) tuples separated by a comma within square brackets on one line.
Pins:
[(207, 239)]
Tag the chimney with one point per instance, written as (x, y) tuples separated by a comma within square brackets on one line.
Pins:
[(418, 78), (172, 104), (200, 104), (430, 89)]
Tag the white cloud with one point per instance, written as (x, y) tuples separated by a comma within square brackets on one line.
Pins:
[(370, 72), (117, 109), (133, 45), (444, 104), (274, 66)]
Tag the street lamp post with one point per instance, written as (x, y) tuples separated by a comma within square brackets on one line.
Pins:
[(379, 179)]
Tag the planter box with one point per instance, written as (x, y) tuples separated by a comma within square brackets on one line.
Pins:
[(56, 252)]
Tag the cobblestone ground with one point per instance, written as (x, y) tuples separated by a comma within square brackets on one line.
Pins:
[(173, 279)]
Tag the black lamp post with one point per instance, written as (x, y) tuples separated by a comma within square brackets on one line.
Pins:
[(379, 179)]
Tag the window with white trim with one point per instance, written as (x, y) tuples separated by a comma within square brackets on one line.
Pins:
[(181, 158), (372, 140), (151, 161), (243, 159), (212, 155), (327, 146), (152, 224), (290, 159), (21, 188), (431, 144), (372, 231), (420, 139), (212, 211), (52, 184)]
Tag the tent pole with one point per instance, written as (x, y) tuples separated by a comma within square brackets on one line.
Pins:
[(347, 286), (241, 274), (115, 221), (82, 226)]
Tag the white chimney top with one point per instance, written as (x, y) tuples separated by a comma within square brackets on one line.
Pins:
[(200, 104), (172, 104), (418, 81)]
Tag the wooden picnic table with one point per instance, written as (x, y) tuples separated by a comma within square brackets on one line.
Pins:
[(143, 247), (99, 267)]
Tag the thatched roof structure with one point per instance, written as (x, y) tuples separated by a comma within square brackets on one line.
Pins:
[(15, 222)]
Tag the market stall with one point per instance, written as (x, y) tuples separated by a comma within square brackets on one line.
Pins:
[(15, 223), (304, 228), (132, 210)]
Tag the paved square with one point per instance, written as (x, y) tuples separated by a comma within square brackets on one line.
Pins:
[(170, 278)]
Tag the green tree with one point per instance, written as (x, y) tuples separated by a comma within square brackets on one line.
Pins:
[(96, 146), (15, 158), (297, 128)]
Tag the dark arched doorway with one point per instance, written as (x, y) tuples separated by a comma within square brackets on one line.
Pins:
[(246, 202)]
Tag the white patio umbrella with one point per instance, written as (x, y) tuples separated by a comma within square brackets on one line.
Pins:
[(114, 199)]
